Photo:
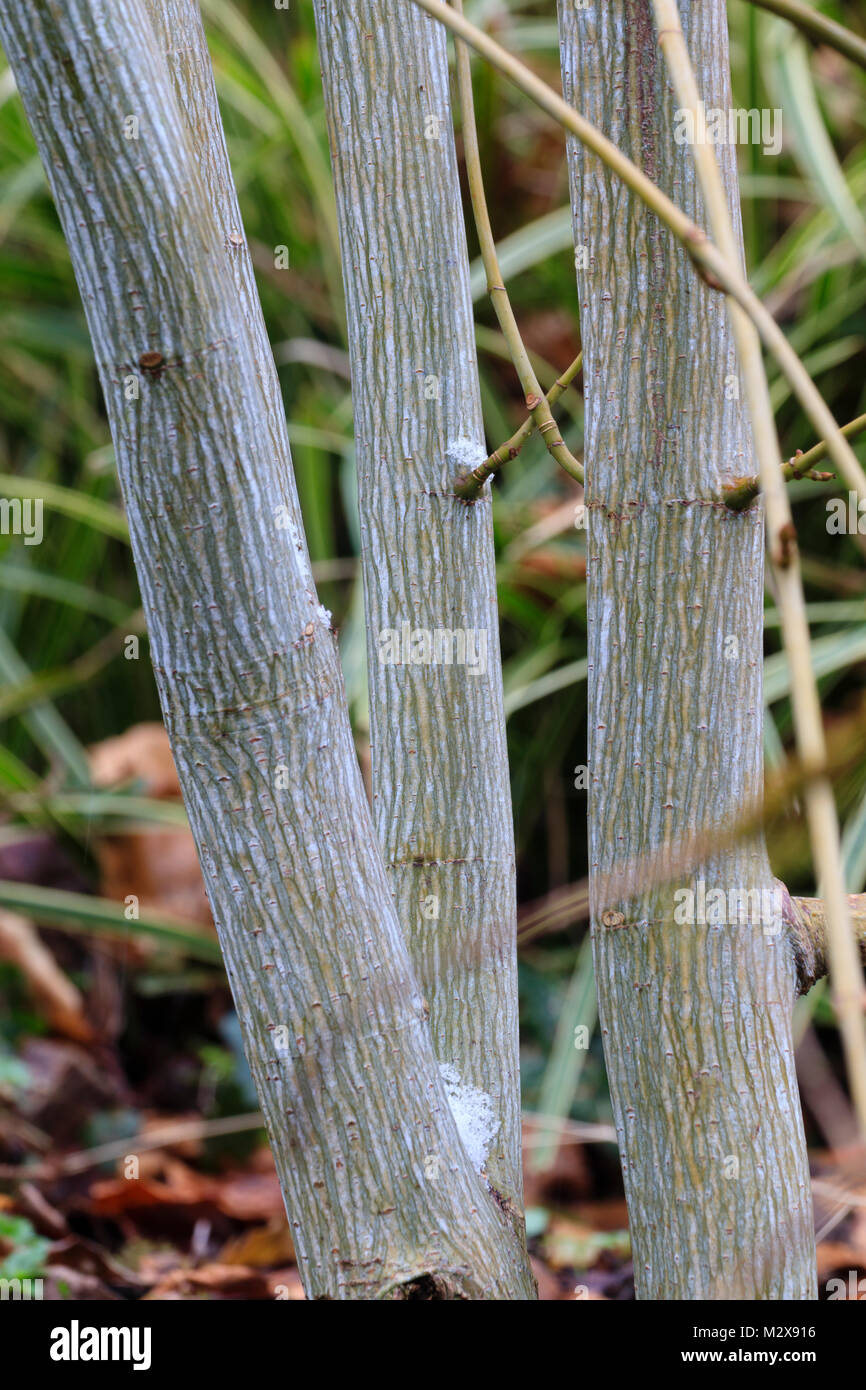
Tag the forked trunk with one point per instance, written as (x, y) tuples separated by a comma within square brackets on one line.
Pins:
[(382, 1198)]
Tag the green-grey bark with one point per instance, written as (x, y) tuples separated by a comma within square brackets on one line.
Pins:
[(441, 794), (381, 1197), (696, 1017)]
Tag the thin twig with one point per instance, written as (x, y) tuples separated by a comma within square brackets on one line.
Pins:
[(628, 878), (713, 267), (744, 490), (470, 485), (818, 27)]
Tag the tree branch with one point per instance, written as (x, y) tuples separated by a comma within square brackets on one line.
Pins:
[(470, 486), (744, 490)]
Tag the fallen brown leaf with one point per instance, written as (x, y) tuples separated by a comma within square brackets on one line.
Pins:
[(261, 1247), (230, 1281), (160, 867)]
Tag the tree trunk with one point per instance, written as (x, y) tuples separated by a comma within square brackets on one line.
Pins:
[(441, 794), (696, 1016), (381, 1197)]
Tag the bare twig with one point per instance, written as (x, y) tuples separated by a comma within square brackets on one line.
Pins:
[(570, 904), (469, 486), (802, 465), (712, 265)]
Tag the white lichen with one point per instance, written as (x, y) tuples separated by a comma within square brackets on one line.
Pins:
[(464, 454), (473, 1114)]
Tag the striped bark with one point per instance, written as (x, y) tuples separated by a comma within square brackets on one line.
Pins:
[(382, 1199), (696, 1017), (441, 795)]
